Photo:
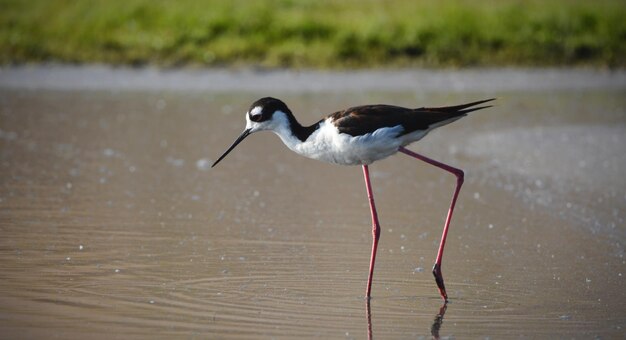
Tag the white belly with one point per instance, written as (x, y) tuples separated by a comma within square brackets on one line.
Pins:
[(327, 144)]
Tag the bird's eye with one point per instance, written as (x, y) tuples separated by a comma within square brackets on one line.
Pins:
[(255, 118)]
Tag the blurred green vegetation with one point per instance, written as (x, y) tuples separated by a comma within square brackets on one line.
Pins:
[(315, 33)]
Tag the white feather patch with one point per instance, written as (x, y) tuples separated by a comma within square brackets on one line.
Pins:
[(256, 111), (327, 144)]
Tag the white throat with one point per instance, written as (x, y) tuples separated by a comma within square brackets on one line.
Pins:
[(279, 124), (282, 128)]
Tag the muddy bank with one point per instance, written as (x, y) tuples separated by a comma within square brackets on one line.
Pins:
[(101, 77)]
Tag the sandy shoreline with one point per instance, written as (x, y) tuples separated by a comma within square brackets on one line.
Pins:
[(102, 77)]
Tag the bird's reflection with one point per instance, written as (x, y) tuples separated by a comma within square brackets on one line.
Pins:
[(434, 329), (368, 314)]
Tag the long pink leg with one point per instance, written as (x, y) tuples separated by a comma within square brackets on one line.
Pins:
[(375, 229), (459, 182)]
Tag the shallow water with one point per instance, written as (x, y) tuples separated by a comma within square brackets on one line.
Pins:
[(113, 225)]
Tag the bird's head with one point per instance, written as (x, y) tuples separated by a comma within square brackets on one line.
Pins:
[(264, 114)]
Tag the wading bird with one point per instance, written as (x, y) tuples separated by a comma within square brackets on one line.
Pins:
[(361, 135)]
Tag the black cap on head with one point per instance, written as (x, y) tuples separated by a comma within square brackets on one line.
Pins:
[(263, 109)]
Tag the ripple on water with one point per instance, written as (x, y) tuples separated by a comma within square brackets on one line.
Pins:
[(171, 248)]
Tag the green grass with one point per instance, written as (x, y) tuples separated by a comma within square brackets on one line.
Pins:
[(315, 33)]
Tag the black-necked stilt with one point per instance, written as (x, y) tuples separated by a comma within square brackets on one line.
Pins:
[(361, 135)]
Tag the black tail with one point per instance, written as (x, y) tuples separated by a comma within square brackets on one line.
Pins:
[(460, 109)]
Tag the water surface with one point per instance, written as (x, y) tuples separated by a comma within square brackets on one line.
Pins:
[(113, 224)]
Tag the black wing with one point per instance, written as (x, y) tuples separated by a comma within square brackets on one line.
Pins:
[(365, 119)]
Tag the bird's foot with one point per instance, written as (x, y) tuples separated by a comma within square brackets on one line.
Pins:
[(439, 280)]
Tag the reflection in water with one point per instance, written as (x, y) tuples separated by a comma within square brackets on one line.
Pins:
[(434, 329), (368, 314)]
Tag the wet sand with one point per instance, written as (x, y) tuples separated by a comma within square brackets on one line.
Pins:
[(112, 223)]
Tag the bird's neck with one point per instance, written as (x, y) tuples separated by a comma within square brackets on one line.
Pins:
[(294, 130)]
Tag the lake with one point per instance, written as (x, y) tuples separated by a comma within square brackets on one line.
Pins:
[(113, 224)]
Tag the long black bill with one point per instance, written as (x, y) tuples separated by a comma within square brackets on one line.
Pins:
[(243, 135)]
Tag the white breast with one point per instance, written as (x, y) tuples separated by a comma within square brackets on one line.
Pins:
[(327, 144)]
